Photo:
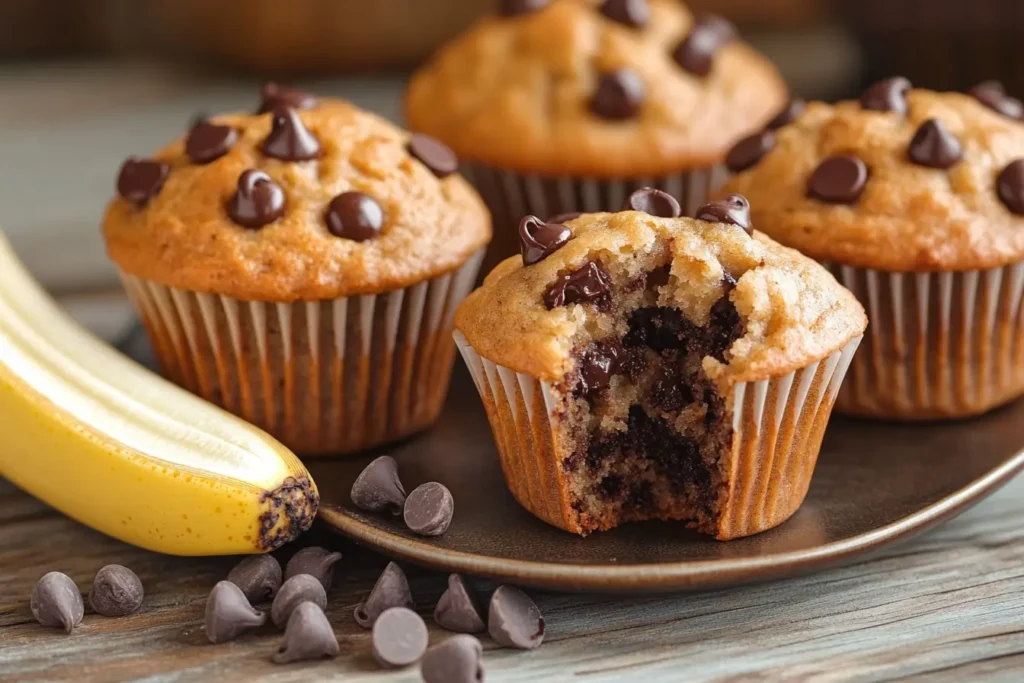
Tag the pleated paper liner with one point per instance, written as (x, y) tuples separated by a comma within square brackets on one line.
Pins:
[(778, 425), (938, 345), (324, 377)]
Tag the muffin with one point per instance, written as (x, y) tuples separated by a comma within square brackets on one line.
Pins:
[(638, 365), (915, 201), (564, 106), (301, 267)]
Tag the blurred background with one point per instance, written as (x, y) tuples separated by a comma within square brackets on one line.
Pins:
[(84, 83)]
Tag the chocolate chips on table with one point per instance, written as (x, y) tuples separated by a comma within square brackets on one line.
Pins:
[(513, 8), (653, 202), (208, 142), (734, 210), (355, 216), (307, 636), (429, 509), (399, 637), (934, 146), (257, 201), (139, 180), (838, 180), (589, 284), (259, 577), (391, 590), (790, 113), (273, 96), (116, 591), (633, 13), (458, 659), (295, 591), (1010, 186), (993, 95), (596, 366), (538, 240), (56, 602), (458, 609), (749, 151), (289, 139), (315, 561), (229, 614), (378, 488), (514, 620), (620, 94), (433, 154), (887, 95), (696, 53)]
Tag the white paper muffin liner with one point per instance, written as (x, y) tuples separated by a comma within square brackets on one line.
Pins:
[(938, 345), (324, 377), (778, 426)]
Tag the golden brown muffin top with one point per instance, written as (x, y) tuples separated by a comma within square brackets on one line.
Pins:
[(196, 218), (939, 185), (574, 87)]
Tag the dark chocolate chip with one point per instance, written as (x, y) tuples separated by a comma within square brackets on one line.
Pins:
[(538, 240), (734, 210), (934, 146), (790, 113), (429, 509), (257, 201), (620, 94), (514, 620), (355, 216), (229, 614), (259, 577), (589, 284), (458, 609), (377, 488), (56, 602), (458, 659), (315, 561), (749, 151), (307, 636), (391, 590), (273, 96), (887, 95), (653, 202), (289, 139), (696, 53), (993, 95), (513, 8), (295, 591), (1010, 186), (597, 364), (634, 13), (116, 591), (838, 180), (433, 154), (207, 142), (564, 218), (399, 637), (139, 180)]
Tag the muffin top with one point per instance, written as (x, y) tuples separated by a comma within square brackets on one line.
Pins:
[(310, 200), (612, 88), (902, 180), (786, 310)]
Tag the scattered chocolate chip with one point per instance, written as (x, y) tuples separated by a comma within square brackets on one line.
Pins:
[(116, 591), (887, 95), (399, 637), (589, 284), (620, 94), (139, 180), (391, 590), (653, 202), (273, 96), (934, 146), (295, 591), (458, 609), (749, 151), (597, 364), (257, 201), (315, 561), (207, 142), (377, 488), (633, 13), (1010, 186), (538, 240), (259, 577), (790, 113), (513, 8), (696, 53), (289, 139), (429, 509), (458, 659), (838, 180), (56, 602), (514, 620), (229, 614), (433, 154), (564, 218), (993, 95), (307, 636), (355, 216), (734, 210)]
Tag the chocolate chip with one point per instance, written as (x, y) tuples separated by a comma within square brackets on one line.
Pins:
[(116, 591), (377, 488), (429, 509), (229, 614), (564, 218), (257, 201), (597, 364), (749, 151), (433, 154), (458, 609), (289, 139), (620, 94), (634, 13), (315, 561), (734, 210), (696, 53), (993, 95), (934, 146), (259, 577), (296, 590), (538, 240), (355, 216), (653, 202), (207, 142), (887, 95), (56, 602), (790, 113), (139, 180), (513, 8), (1011, 186), (391, 590), (458, 659), (838, 180), (514, 620), (589, 284), (399, 637), (273, 96), (307, 636)]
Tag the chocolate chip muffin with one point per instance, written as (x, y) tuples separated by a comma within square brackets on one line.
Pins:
[(638, 366), (563, 106), (300, 266), (915, 201)]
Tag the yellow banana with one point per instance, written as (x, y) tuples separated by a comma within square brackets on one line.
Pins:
[(116, 447)]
